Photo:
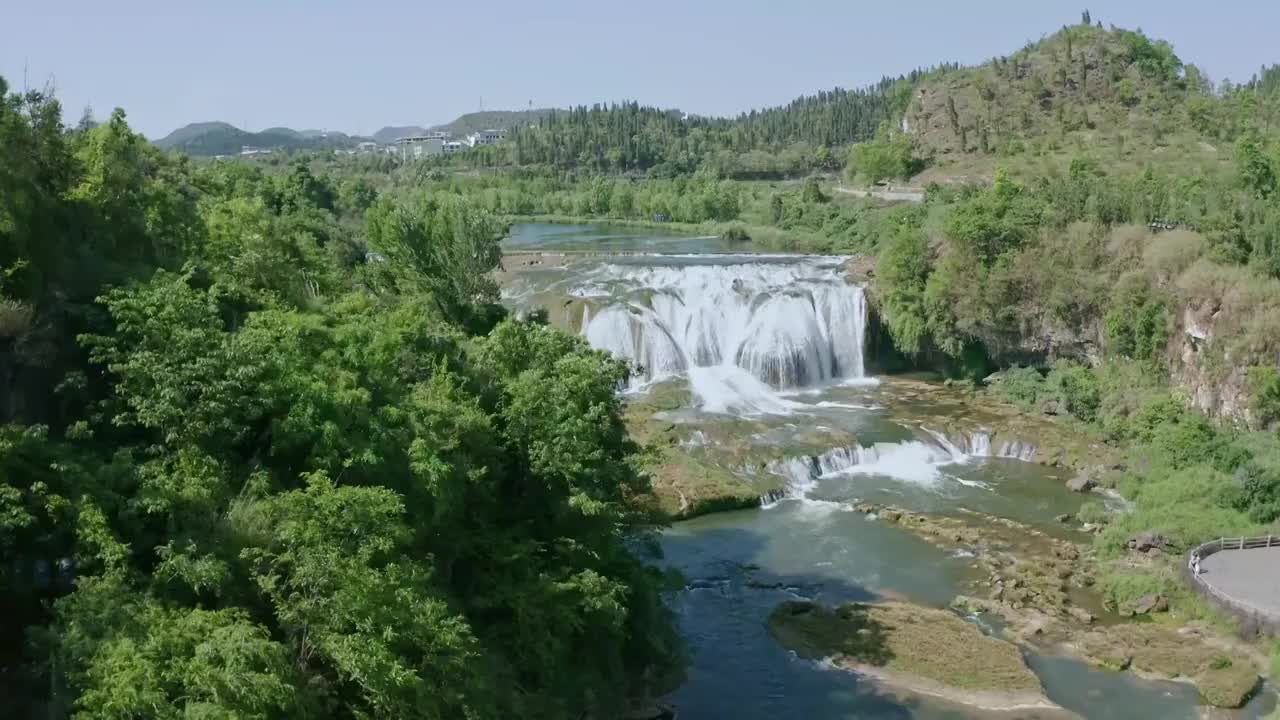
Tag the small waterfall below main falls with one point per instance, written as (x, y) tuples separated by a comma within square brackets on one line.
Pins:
[(737, 330), (915, 461), (978, 444), (912, 461)]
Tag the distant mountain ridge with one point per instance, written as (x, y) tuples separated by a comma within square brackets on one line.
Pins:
[(392, 133), (220, 138)]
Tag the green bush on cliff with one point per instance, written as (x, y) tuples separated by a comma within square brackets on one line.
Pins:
[(1022, 386), (1264, 394), (1076, 387)]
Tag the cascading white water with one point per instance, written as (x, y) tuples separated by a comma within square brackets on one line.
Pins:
[(738, 330), (978, 444), (913, 461)]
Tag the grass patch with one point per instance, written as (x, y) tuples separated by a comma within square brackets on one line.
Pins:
[(1155, 649), (923, 642), (1093, 512)]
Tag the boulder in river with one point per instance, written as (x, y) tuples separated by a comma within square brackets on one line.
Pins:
[(1081, 615), (1081, 483), (1148, 541)]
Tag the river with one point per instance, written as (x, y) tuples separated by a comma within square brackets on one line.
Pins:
[(778, 341)]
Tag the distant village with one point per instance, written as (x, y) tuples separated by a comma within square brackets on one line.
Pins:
[(412, 147)]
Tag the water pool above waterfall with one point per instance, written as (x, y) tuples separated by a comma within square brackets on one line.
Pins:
[(759, 362)]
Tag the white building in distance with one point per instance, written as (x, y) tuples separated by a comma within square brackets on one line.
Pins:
[(419, 146), (485, 137)]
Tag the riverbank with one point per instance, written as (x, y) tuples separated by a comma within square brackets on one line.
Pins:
[(1042, 589)]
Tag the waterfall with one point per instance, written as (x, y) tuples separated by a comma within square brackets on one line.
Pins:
[(977, 444), (1017, 450), (912, 461), (738, 330), (980, 444)]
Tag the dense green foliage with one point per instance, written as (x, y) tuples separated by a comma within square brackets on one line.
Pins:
[(264, 458)]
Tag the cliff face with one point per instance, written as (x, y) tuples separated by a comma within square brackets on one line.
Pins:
[(1205, 366), (1212, 382)]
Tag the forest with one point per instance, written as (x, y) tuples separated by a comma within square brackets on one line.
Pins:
[(248, 471)]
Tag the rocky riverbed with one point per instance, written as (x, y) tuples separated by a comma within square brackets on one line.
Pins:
[(1040, 587)]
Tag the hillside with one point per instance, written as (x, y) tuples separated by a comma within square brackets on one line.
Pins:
[(220, 138), (1115, 95), (492, 119), (392, 133)]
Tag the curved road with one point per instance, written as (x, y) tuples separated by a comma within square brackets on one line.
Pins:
[(1248, 576)]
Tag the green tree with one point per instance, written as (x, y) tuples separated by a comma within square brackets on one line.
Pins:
[(1255, 168)]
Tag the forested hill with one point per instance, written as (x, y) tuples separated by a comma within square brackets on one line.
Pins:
[(219, 138), (762, 143), (1124, 97), (1117, 92), (492, 119)]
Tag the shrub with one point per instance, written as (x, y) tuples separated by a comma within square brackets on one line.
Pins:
[(736, 233), (1256, 487), (1122, 587), (1136, 324), (1022, 386), (1187, 506), (1077, 388), (1168, 254), (1189, 440), (1264, 394), (1093, 512), (812, 192)]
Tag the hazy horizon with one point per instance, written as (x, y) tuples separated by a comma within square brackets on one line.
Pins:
[(358, 69)]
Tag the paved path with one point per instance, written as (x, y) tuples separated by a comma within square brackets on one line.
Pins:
[(1249, 576)]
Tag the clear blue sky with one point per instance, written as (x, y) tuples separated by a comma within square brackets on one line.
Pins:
[(356, 66)]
